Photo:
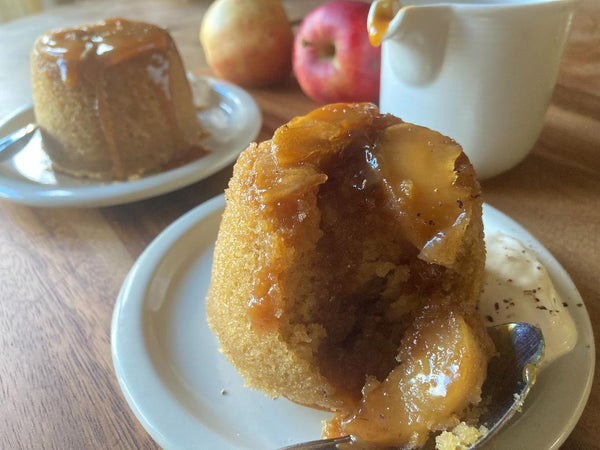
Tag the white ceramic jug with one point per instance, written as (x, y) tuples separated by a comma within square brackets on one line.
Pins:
[(481, 72)]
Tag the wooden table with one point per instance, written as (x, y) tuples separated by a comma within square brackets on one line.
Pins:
[(61, 269)]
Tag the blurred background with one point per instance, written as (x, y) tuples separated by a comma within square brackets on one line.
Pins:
[(13, 9)]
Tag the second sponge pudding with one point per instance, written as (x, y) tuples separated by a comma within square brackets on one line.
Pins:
[(113, 101)]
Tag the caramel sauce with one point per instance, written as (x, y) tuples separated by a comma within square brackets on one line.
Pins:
[(106, 122), (93, 48), (415, 165), (369, 164), (380, 16), (87, 52), (264, 307)]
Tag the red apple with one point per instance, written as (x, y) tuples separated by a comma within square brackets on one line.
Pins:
[(333, 59), (248, 42)]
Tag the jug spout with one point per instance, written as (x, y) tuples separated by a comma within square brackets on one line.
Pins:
[(413, 37), (381, 13)]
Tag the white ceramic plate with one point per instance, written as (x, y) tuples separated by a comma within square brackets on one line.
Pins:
[(232, 117), (187, 395)]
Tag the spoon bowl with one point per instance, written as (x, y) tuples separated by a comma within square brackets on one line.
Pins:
[(511, 374)]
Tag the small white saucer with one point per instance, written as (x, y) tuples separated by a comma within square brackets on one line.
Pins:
[(187, 396), (232, 117)]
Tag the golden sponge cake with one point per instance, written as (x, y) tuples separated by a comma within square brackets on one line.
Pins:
[(346, 238), (113, 101)]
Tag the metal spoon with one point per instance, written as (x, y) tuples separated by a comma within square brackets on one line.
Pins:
[(15, 141), (510, 377), (320, 444)]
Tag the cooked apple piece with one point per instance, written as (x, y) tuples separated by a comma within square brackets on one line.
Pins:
[(433, 208), (443, 363)]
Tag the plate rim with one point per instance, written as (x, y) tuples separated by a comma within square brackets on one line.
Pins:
[(107, 193), (156, 250), (161, 245)]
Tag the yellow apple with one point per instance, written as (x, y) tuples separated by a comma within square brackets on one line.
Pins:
[(248, 42)]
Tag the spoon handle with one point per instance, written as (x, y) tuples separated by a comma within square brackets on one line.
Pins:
[(322, 444), (16, 136)]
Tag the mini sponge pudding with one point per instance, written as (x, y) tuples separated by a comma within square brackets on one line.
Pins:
[(113, 101), (346, 240)]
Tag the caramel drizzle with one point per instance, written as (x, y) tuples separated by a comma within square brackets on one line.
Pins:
[(159, 72), (106, 123), (381, 14)]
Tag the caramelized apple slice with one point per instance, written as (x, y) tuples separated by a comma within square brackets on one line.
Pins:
[(443, 364), (330, 131), (417, 166)]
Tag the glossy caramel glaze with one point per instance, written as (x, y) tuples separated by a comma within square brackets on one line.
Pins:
[(381, 14), (368, 163), (89, 49)]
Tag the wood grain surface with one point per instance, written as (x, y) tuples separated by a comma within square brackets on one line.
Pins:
[(61, 269)]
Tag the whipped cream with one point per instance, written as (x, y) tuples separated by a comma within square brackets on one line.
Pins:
[(518, 288)]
